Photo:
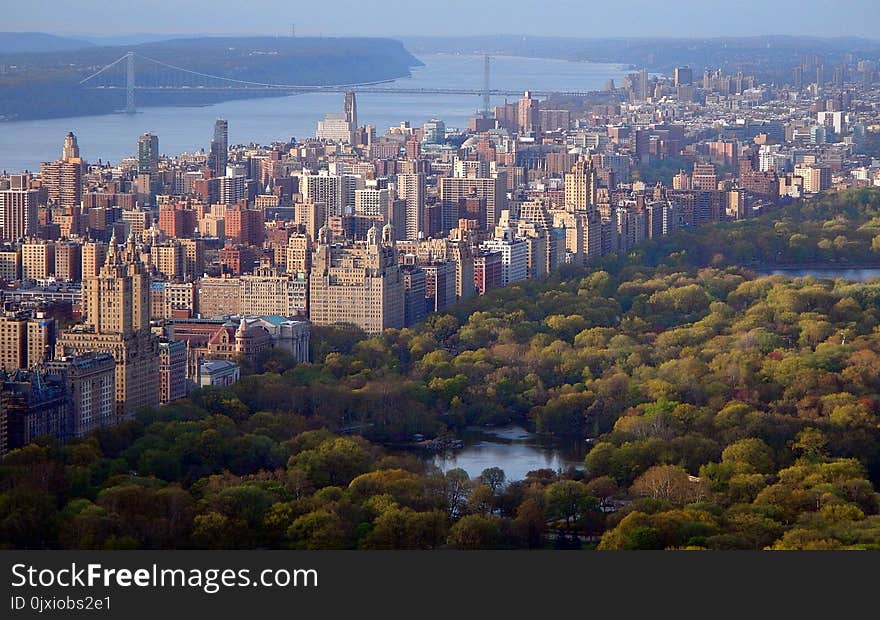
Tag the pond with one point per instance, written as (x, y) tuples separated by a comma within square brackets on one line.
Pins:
[(512, 448)]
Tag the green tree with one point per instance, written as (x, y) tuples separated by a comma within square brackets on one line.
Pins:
[(476, 532)]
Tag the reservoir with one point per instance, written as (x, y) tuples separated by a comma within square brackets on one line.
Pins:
[(513, 449), (110, 137)]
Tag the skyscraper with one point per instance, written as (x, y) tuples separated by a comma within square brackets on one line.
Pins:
[(411, 188), (527, 113), (219, 154), (148, 154), (581, 186), (798, 78), (492, 190), (18, 213), (360, 284), (230, 189), (116, 310), (335, 128), (643, 85), (70, 150), (684, 76), (324, 189), (351, 113), (63, 178)]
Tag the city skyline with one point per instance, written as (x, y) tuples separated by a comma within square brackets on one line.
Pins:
[(628, 304)]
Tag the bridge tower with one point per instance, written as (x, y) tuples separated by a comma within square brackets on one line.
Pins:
[(129, 83), (486, 101)]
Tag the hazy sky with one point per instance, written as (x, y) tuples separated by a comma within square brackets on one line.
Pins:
[(447, 17)]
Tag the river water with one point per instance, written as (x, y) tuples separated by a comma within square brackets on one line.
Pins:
[(24, 144), (513, 449)]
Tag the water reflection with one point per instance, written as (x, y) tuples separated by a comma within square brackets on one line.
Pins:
[(513, 449)]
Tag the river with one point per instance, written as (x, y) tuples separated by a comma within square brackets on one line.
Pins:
[(24, 144), (513, 449)]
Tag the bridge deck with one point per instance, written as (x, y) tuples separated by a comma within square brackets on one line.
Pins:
[(357, 89)]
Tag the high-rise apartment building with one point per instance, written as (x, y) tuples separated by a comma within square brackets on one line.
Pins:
[(644, 90), (68, 261), (167, 258), (487, 271), (18, 214), (298, 254), (177, 221), (172, 371), (137, 221), (527, 113), (219, 297), (684, 76), (581, 186), (10, 265), (816, 177), (268, 292), (90, 382), (351, 115), (704, 177), (360, 283), (26, 339), (492, 190), (324, 189), (148, 154), (514, 256), (310, 216), (243, 225), (374, 203), (63, 181), (583, 233), (70, 150), (93, 255), (439, 285), (434, 131), (37, 259), (335, 128), (411, 189), (219, 151), (30, 407), (193, 257), (175, 299), (230, 189), (414, 294), (116, 310), (535, 219)]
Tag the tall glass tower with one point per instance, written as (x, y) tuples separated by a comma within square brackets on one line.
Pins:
[(219, 148)]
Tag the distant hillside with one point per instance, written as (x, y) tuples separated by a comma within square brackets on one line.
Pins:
[(17, 42), (769, 57), (132, 39), (46, 84)]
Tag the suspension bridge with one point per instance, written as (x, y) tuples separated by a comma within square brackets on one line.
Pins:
[(135, 72)]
